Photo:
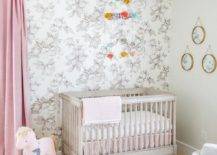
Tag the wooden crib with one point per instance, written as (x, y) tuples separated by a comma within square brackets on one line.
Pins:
[(148, 124)]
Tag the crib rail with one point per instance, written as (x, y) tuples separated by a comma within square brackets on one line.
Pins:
[(148, 122), (72, 129)]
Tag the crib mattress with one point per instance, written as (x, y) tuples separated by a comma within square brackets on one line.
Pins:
[(132, 124)]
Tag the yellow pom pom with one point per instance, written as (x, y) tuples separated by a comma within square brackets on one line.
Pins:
[(108, 15), (124, 54), (127, 1)]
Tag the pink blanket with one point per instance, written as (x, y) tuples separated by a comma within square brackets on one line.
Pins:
[(102, 110)]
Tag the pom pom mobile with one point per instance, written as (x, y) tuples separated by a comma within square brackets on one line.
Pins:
[(123, 54), (125, 1), (122, 15)]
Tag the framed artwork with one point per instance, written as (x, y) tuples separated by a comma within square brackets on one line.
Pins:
[(198, 33), (209, 63), (187, 61)]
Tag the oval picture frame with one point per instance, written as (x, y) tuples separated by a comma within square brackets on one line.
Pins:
[(204, 65), (198, 36), (187, 57)]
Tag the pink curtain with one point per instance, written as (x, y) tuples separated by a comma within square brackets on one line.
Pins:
[(14, 111)]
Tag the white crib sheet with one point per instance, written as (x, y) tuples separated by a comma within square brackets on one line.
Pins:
[(130, 129)]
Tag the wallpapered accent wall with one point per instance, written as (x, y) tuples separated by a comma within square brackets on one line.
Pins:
[(68, 44)]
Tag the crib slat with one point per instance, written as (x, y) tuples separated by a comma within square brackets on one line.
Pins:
[(151, 127), (170, 122), (71, 134), (161, 123), (91, 137), (114, 139), (76, 130), (98, 140), (108, 139), (135, 130), (120, 137), (74, 133), (131, 121), (140, 124), (174, 122), (125, 128), (165, 123), (156, 125), (67, 126), (85, 140), (103, 141), (80, 132), (63, 123), (71, 140), (146, 126)]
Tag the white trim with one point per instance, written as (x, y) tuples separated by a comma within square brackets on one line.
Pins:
[(187, 145), (185, 149)]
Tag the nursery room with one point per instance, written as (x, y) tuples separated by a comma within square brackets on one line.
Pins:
[(108, 77)]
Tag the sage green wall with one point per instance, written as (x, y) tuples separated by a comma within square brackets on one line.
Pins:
[(196, 90)]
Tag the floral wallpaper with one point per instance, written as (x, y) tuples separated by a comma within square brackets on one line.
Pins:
[(68, 45)]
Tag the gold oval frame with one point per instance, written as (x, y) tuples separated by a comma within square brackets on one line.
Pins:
[(192, 60), (204, 36), (213, 59)]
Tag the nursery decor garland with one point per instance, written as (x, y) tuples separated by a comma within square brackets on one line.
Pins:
[(123, 54), (122, 15)]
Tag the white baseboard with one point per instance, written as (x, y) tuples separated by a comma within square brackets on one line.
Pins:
[(185, 149)]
